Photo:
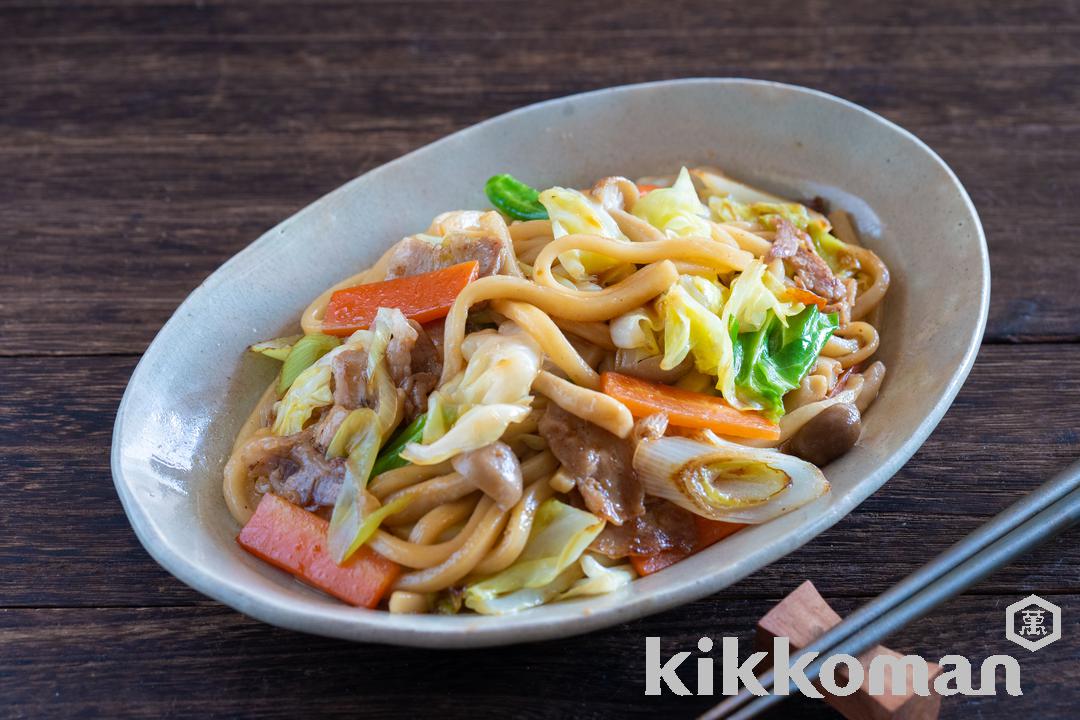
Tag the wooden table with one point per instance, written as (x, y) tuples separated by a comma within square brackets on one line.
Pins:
[(142, 144)]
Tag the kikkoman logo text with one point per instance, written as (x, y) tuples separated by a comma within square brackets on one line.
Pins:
[(955, 678)]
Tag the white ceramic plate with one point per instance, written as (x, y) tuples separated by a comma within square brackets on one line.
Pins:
[(195, 385)]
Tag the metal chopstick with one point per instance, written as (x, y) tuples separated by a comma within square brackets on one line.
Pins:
[(1020, 512)]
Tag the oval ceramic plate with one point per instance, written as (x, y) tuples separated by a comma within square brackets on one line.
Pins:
[(195, 385)]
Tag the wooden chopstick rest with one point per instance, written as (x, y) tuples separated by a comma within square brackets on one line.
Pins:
[(802, 617)]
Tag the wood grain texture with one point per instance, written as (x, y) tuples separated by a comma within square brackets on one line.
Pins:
[(143, 146), (212, 662), (71, 545), (143, 142)]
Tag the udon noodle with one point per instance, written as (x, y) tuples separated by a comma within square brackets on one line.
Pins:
[(547, 400)]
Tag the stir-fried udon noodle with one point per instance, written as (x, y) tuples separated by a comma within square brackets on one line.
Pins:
[(550, 399)]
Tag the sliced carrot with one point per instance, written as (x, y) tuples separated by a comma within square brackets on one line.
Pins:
[(648, 564), (709, 532), (806, 297), (419, 297), (643, 188), (294, 540), (685, 408)]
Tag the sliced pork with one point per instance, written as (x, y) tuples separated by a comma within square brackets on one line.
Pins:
[(486, 242), (293, 468), (662, 526), (811, 271), (599, 462)]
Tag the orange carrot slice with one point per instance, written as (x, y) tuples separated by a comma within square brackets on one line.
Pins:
[(806, 297), (421, 298), (294, 540), (685, 408)]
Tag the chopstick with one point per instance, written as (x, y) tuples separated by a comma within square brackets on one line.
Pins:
[(1042, 514)]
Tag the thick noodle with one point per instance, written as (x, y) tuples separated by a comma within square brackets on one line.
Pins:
[(449, 532), (587, 306)]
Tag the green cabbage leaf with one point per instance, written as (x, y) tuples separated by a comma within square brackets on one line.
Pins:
[(559, 536)]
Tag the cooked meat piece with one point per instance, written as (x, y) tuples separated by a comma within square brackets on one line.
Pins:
[(648, 428), (427, 352), (495, 470), (399, 351), (317, 479), (424, 365), (827, 436), (415, 364), (786, 243), (662, 526), (350, 379), (299, 472), (811, 271), (419, 254), (327, 426), (600, 463), (417, 387)]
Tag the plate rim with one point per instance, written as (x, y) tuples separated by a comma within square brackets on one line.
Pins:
[(436, 632)]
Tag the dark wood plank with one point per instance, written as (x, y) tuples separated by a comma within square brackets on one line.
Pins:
[(143, 142), (211, 662), (142, 147), (68, 542), (74, 282), (170, 17)]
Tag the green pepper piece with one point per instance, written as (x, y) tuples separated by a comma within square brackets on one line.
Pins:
[(390, 457), (515, 198)]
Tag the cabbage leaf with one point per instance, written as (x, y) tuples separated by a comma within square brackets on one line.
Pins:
[(573, 213), (478, 426), (675, 210), (559, 536), (586, 577), (310, 391), (692, 324), (475, 407), (724, 208), (831, 248), (773, 359), (699, 316), (599, 578), (302, 355), (358, 439), (636, 330), (278, 348)]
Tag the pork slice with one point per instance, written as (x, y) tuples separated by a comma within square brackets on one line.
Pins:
[(662, 526), (427, 352), (324, 430), (317, 480), (296, 470), (786, 243), (420, 254), (350, 379), (417, 387), (600, 463), (399, 352), (420, 375), (811, 271)]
